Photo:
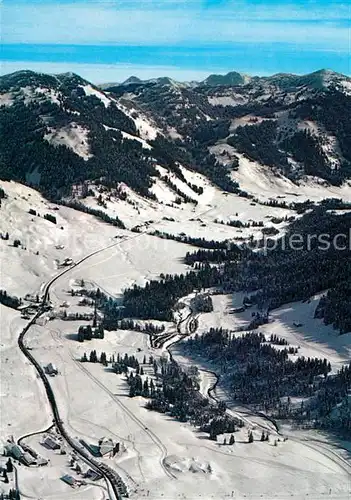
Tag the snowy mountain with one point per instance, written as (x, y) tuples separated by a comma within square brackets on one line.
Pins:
[(294, 125), (156, 325), (50, 121)]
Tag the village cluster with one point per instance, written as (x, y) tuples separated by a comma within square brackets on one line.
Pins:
[(75, 472)]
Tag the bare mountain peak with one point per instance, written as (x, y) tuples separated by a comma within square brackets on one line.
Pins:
[(231, 78), (132, 79)]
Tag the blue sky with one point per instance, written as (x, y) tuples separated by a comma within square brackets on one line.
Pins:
[(108, 40)]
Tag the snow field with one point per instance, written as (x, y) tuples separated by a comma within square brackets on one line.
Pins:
[(22, 271), (73, 136), (93, 402), (90, 406), (264, 183)]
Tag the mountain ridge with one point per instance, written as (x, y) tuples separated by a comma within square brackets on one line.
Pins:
[(232, 78), (288, 123)]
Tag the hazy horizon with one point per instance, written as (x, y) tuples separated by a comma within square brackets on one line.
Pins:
[(143, 75), (109, 40)]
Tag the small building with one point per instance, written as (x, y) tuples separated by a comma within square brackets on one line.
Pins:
[(67, 262), (30, 298), (28, 459), (41, 321), (93, 475), (42, 461), (30, 450), (92, 448), (69, 480), (25, 307), (106, 446), (247, 303), (297, 324), (237, 310), (51, 443), (14, 451), (51, 369)]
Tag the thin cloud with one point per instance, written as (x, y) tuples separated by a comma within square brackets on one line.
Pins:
[(95, 24)]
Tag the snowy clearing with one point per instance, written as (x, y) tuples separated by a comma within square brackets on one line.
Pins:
[(73, 136), (89, 90)]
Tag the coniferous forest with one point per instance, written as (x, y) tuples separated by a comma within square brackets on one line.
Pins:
[(300, 130), (272, 277)]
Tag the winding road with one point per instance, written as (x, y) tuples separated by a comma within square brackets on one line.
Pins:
[(267, 424), (115, 484)]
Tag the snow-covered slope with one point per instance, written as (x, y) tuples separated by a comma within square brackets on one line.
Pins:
[(265, 183), (147, 129), (154, 156), (73, 136), (94, 402)]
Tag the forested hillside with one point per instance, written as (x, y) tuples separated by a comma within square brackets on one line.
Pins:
[(306, 261), (298, 125), (295, 125), (60, 131), (55, 134)]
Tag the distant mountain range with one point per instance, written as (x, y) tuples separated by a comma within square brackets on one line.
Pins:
[(58, 130), (317, 79)]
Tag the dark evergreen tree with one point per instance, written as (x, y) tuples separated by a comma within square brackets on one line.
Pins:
[(81, 334), (9, 465), (146, 391)]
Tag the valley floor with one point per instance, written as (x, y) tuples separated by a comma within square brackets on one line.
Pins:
[(159, 457)]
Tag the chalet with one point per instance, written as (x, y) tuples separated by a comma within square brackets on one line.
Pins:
[(106, 446), (14, 451), (26, 307), (42, 461), (28, 459), (30, 297), (92, 448), (247, 303), (67, 262), (51, 369), (93, 475), (41, 321), (51, 443)]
